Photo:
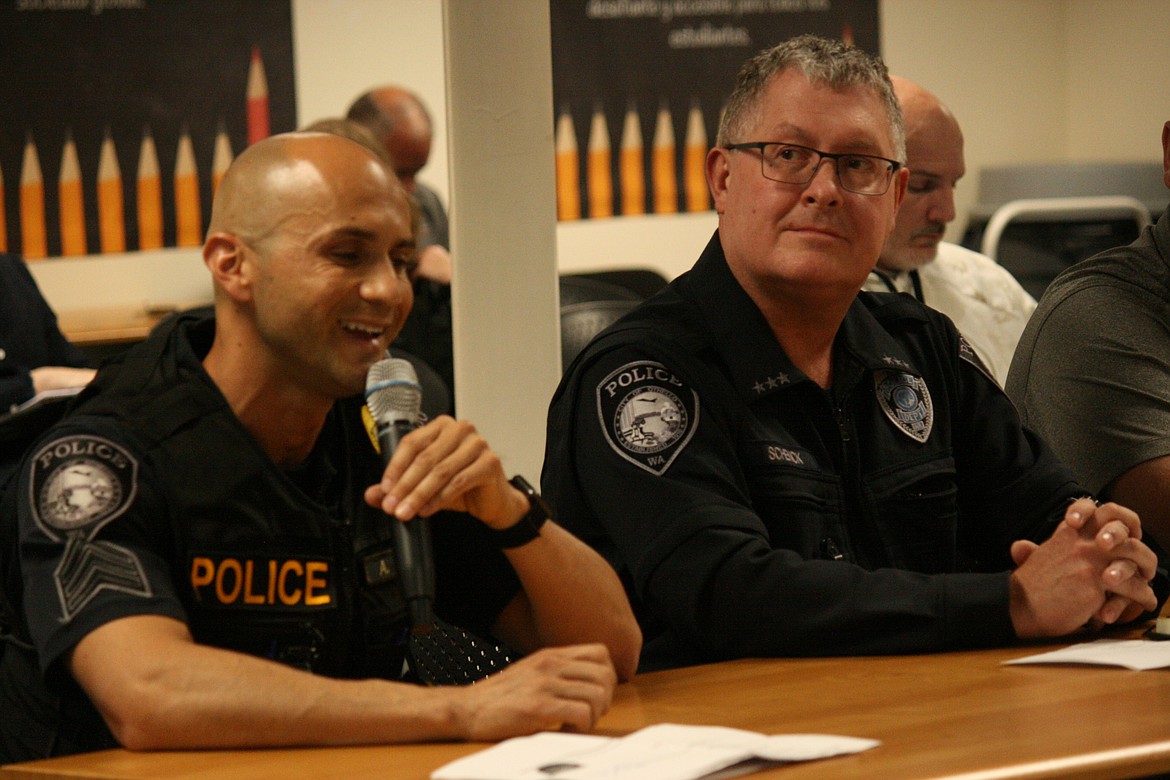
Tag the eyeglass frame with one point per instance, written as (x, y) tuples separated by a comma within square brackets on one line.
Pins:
[(895, 166)]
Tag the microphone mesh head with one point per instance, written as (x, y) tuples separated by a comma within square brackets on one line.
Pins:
[(393, 392)]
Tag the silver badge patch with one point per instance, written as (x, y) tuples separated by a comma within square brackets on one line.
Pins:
[(906, 402), (647, 413), (78, 485)]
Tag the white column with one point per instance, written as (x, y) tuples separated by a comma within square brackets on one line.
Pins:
[(503, 222)]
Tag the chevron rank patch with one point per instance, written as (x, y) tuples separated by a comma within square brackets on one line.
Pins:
[(647, 414), (906, 401), (79, 484)]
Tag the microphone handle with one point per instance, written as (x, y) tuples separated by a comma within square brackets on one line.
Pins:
[(413, 553)]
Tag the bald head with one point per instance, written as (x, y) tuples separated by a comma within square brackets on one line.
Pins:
[(309, 248), (287, 175), (400, 121), (924, 114), (934, 155)]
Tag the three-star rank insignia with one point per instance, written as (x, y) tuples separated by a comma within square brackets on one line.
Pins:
[(905, 400)]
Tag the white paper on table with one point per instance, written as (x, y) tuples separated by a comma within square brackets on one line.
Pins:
[(663, 752), (1139, 654)]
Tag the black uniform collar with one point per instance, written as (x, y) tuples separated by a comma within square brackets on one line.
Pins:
[(865, 338), (741, 335)]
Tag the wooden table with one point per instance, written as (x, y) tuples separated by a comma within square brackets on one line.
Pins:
[(948, 715), (119, 325)]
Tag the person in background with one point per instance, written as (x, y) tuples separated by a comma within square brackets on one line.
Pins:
[(779, 464), (34, 355), (1092, 371), (401, 123), (202, 550), (986, 303)]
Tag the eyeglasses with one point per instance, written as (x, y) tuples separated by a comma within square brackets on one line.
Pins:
[(864, 174)]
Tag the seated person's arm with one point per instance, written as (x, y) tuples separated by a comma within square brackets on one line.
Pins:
[(156, 689), (1145, 489), (19, 384), (59, 377), (570, 594), (34, 355)]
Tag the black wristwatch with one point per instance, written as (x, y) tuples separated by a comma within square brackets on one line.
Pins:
[(527, 527)]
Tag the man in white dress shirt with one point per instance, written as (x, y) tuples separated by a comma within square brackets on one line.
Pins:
[(987, 304)]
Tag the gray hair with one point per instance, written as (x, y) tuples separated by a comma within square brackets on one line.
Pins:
[(821, 60)]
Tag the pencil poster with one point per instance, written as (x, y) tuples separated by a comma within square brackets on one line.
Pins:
[(638, 86), (121, 116)]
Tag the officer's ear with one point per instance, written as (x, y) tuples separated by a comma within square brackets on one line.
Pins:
[(226, 257), (718, 169)]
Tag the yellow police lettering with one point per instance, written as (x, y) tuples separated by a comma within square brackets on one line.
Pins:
[(202, 573), (285, 596), (316, 584), (230, 566), (249, 596), (261, 582)]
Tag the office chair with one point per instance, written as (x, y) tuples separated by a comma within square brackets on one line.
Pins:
[(1037, 238), (588, 306), (642, 281), (580, 322)]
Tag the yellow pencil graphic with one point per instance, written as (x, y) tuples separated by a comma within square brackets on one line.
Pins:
[(188, 218), (662, 164), (221, 158), (600, 180), (70, 201), (3, 217), (631, 174), (150, 220), (568, 177), (33, 241), (695, 161), (111, 213)]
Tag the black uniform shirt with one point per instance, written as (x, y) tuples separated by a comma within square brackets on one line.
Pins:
[(152, 499), (752, 513)]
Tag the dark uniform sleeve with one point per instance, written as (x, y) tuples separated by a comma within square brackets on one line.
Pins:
[(475, 580), (678, 522), (92, 539)]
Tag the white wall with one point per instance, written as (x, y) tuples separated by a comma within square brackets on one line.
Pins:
[(344, 47), (1117, 95), (998, 64), (1038, 80)]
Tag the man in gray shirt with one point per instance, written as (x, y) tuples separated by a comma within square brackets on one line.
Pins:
[(1092, 371)]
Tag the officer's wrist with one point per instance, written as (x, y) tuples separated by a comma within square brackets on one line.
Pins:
[(526, 524)]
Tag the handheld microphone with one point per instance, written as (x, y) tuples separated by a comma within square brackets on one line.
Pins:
[(394, 398)]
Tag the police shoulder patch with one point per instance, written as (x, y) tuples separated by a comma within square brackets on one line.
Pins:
[(79, 483), (968, 353), (905, 400), (647, 414)]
